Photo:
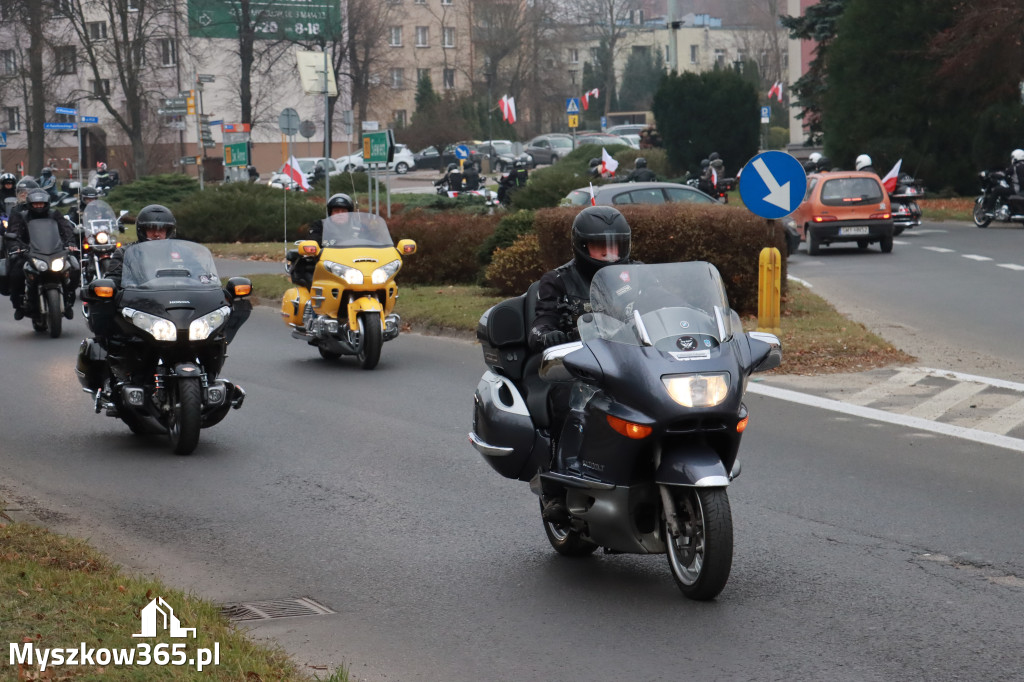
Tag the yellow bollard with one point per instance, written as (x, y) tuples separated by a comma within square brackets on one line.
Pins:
[(769, 291)]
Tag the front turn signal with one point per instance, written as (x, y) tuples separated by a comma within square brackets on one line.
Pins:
[(243, 289), (629, 429), (741, 425), (104, 292)]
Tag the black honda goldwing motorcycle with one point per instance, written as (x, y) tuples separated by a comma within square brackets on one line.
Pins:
[(656, 414), (996, 201), (906, 212), (161, 341)]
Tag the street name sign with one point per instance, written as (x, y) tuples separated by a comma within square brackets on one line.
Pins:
[(59, 126), (772, 184)]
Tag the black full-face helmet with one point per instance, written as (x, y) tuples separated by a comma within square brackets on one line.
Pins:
[(340, 201), (601, 225), (452, 166), (595, 162), (8, 181), (640, 162), (38, 203), (24, 186), (155, 216)]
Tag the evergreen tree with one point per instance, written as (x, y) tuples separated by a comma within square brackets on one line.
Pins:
[(640, 80)]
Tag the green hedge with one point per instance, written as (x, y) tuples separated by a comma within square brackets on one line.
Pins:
[(243, 212), (447, 245), (729, 237)]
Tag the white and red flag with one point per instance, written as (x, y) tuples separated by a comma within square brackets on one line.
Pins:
[(294, 171), (889, 181), (608, 164), (508, 108), (593, 199), (587, 95), (776, 90)]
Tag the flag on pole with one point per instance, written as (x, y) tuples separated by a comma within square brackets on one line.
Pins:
[(772, 91), (889, 181), (587, 95), (714, 178), (294, 171), (778, 90), (508, 108), (608, 164), (593, 199)]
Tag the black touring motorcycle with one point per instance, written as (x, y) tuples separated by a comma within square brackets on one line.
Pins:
[(162, 341), (49, 285), (650, 443)]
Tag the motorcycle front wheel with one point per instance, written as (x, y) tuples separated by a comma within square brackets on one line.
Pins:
[(371, 341), (565, 540), (54, 316), (701, 557), (980, 218), (185, 416)]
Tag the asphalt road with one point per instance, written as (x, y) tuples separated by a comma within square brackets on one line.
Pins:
[(864, 550)]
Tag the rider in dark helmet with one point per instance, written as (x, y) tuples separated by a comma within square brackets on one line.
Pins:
[(154, 222), (24, 186), (302, 268), (7, 183), (640, 172), (452, 178), (37, 205), (338, 203), (85, 197), (594, 168)]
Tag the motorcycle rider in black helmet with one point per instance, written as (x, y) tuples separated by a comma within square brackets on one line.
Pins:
[(302, 268), (640, 172), (7, 184), (452, 179), (37, 202), (600, 237), (24, 186), (85, 197)]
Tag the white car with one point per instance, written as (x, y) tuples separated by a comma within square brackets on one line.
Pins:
[(402, 163), (308, 164)]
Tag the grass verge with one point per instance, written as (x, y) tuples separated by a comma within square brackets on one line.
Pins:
[(59, 593)]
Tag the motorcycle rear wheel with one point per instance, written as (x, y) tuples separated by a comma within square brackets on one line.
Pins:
[(565, 540), (980, 219), (701, 557), (186, 416), (54, 316)]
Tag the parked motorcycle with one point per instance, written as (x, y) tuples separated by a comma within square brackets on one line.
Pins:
[(99, 241), (994, 202), (650, 443), (49, 289), (906, 212), (344, 304), (163, 341)]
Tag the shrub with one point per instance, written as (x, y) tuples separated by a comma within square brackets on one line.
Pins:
[(514, 268), (349, 183), (242, 212), (547, 186), (447, 245), (509, 228), (167, 189)]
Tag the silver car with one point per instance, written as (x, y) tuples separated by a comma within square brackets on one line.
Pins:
[(624, 193)]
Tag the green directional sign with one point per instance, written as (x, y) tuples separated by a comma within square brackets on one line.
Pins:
[(375, 147), (297, 20), (236, 154)]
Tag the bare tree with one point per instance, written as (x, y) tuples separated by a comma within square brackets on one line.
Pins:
[(607, 21), (359, 55)]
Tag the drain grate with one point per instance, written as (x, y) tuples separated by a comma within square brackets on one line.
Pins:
[(274, 608)]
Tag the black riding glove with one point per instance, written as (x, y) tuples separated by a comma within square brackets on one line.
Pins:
[(554, 338)]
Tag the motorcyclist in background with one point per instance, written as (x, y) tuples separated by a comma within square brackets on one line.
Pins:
[(452, 178), (1015, 176), (104, 180), (863, 163), (48, 181), (17, 232), (705, 183), (24, 186), (85, 197), (7, 188), (470, 179), (640, 172)]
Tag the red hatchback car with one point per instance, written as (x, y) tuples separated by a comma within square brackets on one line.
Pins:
[(844, 206)]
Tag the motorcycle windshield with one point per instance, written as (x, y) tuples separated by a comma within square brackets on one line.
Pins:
[(99, 217), (672, 306), (343, 230), (44, 236), (169, 264)]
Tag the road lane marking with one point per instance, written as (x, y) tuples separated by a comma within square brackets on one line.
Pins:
[(939, 404), (974, 257), (906, 376), (984, 437), (1004, 420), (1011, 266), (938, 249)]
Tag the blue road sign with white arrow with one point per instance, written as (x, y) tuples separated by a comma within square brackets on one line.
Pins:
[(462, 152), (772, 184)]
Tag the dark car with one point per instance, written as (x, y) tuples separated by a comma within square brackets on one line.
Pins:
[(622, 193), (549, 148), (429, 158), (602, 139), (503, 155)]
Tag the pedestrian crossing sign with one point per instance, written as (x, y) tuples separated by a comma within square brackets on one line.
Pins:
[(572, 105)]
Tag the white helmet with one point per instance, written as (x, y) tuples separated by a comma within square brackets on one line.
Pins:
[(1017, 155), (815, 157), (862, 161)]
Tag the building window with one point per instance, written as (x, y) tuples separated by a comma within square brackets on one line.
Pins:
[(100, 87), (168, 51), (64, 59), (421, 2), (694, 54), (62, 8), (449, 78), (65, 118), (133, 5), (720, 57), (421, 74), (397, 78), (396, 36), (422, 36), (12, 115), (449, 36), (446, 2), (398, 118), (8, 62), (97, 30), (574, 55)]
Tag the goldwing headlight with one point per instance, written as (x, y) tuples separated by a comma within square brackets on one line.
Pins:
[(385, 272), (157, 327), (350, 275), (698, 390), (200, 330)]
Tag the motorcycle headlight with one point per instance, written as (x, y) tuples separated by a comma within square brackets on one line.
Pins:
[(350, 275), (385, 272), (102, 238), (201, 329), (698, 390), (157, 327), (40, 264), (57, 264)]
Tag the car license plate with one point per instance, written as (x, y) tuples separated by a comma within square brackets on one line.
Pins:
[(848, 231)]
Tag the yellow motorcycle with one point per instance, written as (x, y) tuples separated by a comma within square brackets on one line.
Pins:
[(345, 295)]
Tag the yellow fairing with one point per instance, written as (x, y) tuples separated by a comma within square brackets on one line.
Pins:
[(330, 289), (292, 304)]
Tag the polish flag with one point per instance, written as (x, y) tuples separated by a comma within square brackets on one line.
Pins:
[(608, 164), (508, 108), (587, 95), (714, 178), (293, 171), (776, 90), (593, 199), (889, 181)]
